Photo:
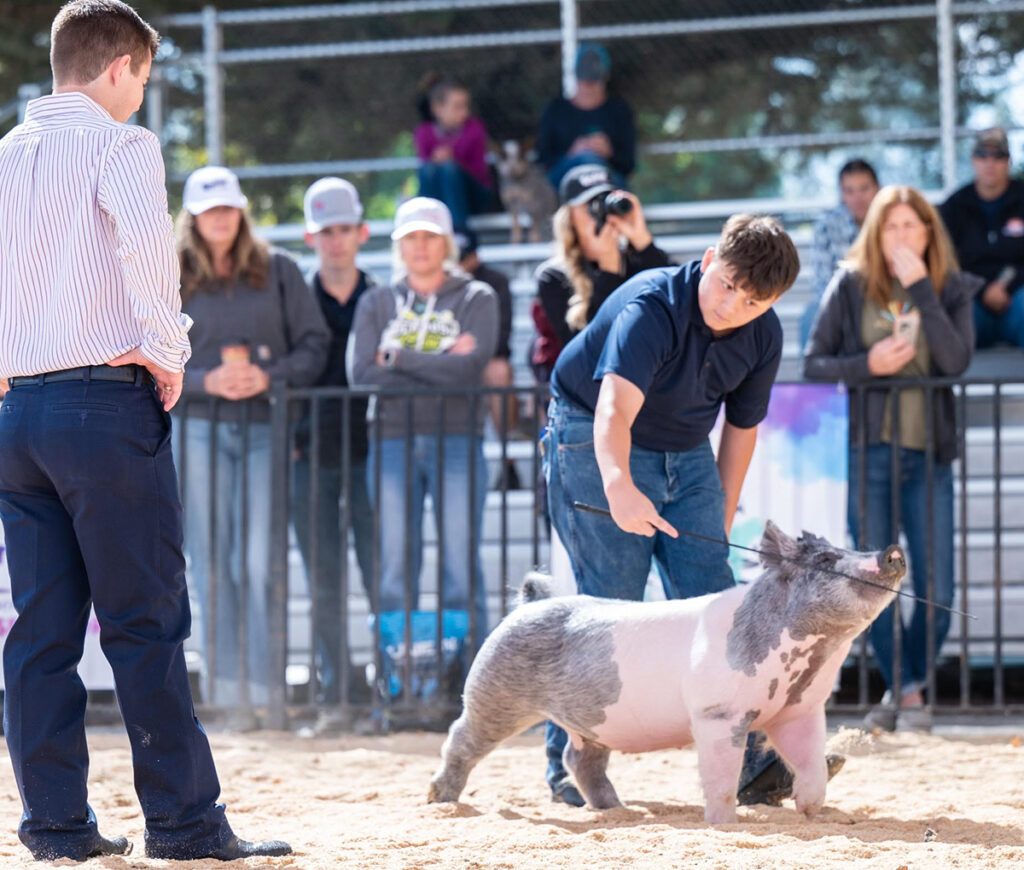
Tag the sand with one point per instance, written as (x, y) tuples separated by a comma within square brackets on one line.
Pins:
[(902, 801)]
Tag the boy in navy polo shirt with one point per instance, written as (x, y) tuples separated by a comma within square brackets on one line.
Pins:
[(634, 398)]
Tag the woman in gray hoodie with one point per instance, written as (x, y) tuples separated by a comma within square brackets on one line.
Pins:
[(429, 334)]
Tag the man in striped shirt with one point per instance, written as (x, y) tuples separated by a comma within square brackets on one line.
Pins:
[(92, 346)]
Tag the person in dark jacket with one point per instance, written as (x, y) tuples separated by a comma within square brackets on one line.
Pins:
[(589, 127), (255, 322), (900, 308), (985, 220), (589, 262)]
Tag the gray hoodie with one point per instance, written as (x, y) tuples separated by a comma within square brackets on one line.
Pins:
[(421, 329)]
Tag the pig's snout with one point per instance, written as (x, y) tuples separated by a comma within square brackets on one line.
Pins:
[(891, 563)]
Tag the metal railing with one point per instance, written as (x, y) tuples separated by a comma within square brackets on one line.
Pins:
[(384, 672)]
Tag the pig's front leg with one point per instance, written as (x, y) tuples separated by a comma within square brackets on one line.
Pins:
[(720, 745), (801, 743)]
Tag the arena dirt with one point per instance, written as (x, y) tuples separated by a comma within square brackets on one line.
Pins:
[(903, 802)]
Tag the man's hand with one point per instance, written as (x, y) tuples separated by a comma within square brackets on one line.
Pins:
[(889, 355), (995, 297), (4, 387), (236, 381), (168, 383), (634, 512)]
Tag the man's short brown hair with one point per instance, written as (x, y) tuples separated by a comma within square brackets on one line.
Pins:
[(760, 252), (88, 35)]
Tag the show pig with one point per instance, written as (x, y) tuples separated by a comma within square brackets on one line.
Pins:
[(640, 676)]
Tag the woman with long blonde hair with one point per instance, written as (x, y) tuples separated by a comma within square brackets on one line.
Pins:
[(595, 252), (900, 307), (254, 322)]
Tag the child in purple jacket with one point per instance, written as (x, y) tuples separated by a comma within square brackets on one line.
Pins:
[(452, 147)]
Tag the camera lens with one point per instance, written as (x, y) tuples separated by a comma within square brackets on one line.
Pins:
[(618, 204)]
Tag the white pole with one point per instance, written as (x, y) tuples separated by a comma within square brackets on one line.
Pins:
[(570, 41), (946, 36), (213, 87)]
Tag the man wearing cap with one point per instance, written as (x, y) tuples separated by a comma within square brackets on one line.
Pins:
[(93, 343), (335, 230), (591, 126), (985, 220)]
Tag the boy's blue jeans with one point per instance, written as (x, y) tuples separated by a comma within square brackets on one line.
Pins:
[(456, 188), (609, 563), (401, 520), (914, 498)]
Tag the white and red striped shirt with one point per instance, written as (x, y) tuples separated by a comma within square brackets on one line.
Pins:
[(88, 268)]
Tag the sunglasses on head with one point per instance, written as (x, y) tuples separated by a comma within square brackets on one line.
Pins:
[(989, 154)]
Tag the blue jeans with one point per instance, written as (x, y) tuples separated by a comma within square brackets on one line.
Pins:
[(240, 545), (914, 501), (609, 563), (326, 585), (1008, 326), (400, 504), (89, 502), (456, 188)]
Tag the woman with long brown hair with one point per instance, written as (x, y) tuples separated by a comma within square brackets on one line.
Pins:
[(254, 321), (596, 250), (900, 307)]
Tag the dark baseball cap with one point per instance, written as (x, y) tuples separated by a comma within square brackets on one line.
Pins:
[(992, 140), (592, 62), (582, 183)]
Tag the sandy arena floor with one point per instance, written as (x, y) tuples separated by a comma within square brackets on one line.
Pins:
[(903, 802)]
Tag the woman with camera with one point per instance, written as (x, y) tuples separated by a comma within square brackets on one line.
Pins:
[(601, 239)]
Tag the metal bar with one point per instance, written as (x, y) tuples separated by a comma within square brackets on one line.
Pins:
[(895, 467), (998, 675), (862, 513), (503, 529), (410, 581), (471, 555), (339, 10), (965, 665), (213, 87), (946, 39), (931, 650), (345, 524), (277, 600), (313, 568), (570, 39), (439, 526), (244, 590), (212, 578)]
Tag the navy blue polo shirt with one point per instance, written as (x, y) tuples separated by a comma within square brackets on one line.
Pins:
[(650, 331)]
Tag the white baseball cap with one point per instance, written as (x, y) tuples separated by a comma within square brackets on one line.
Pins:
[(422, 213), (211, 186), (331, 201)]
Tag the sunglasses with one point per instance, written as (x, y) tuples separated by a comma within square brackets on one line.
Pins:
[(989, 154)]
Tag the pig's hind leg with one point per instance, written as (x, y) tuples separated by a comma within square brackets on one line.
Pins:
[(472, 736), (589, 766)]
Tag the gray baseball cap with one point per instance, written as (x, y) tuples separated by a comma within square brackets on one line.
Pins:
[(331, 201)]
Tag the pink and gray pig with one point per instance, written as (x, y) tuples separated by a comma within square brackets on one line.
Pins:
[(639, 676)]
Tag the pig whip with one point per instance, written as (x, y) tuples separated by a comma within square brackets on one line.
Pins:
[(589, 508)]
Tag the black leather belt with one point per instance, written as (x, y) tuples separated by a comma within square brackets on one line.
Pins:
[(125, 374)]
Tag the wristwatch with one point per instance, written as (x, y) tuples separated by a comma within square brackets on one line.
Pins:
[(390, 355)]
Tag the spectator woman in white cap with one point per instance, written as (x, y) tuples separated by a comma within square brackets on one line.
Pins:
[(434, 327), (255, 321)]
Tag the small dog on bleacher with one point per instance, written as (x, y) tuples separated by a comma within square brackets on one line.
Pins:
[(525, 191)]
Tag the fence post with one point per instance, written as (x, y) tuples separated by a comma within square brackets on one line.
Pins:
[(277, 606), (945, 36), (570, 38), (213, 87)]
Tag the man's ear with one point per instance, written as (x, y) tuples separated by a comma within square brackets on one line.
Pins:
[(709, 255), (308, 239), (119, 67), (364, 233)]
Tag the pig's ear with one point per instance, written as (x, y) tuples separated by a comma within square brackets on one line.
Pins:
[(777, 548), (811, 541)]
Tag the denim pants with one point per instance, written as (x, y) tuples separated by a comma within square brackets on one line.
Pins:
[(400, 504), (609, 563), (326, 584), (89, 502), (1008, 326), (456, 188), (238, 544), (914, 500)]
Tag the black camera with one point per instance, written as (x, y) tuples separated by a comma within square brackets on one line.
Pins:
[(604, 204)]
